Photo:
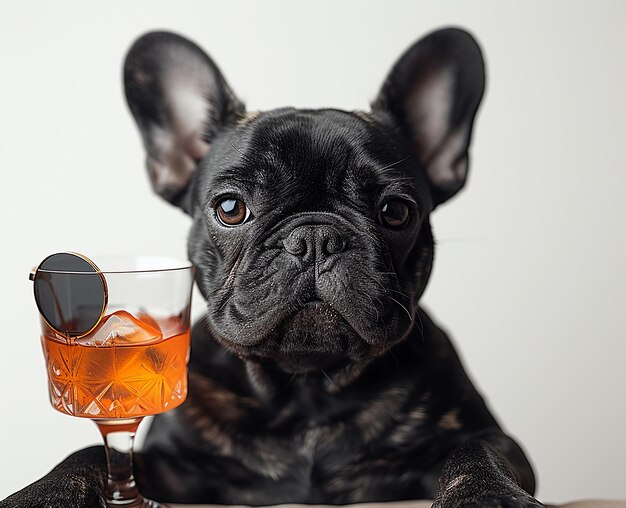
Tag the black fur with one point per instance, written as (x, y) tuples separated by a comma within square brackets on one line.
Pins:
[(315, 377)]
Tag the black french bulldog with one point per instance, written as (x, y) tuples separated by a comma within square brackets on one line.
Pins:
[(315, 377)]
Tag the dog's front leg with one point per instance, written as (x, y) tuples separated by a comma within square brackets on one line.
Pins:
[(489, 472), (78, 481)]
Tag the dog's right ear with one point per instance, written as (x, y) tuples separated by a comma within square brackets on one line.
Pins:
[(180, 101)]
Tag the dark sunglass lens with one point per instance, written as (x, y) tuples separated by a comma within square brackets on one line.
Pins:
[(71, 302)]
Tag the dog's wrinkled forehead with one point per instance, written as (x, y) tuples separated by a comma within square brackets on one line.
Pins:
[(318, 157)]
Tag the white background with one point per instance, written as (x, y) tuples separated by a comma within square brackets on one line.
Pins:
[(529, 275)]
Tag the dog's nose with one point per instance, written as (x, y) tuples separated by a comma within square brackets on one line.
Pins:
[(314, 241)]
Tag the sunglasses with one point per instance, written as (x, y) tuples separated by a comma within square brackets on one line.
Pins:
[(71, 293)]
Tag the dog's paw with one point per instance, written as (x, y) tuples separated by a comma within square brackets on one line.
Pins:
[(78, 482), (521, 500), (502, 502)]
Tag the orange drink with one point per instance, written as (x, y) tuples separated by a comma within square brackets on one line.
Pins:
[(125, 368)]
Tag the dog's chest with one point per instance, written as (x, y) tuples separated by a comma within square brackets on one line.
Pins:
[(310, 446)]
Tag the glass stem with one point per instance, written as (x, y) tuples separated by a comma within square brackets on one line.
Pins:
[(119, 437)]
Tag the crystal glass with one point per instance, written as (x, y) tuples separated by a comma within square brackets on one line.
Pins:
[(132, 364)]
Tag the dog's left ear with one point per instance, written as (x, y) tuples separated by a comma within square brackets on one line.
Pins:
[(180, 101), (432, 93)]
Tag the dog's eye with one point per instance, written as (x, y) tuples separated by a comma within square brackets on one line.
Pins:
[(394, 214), (232, 212)]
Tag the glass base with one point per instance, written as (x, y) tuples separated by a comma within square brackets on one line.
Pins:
[(139, 502), (121, 491)]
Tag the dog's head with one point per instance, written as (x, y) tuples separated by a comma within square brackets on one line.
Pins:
[(311, 229)]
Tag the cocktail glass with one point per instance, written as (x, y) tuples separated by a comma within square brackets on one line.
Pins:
[(131, 365)]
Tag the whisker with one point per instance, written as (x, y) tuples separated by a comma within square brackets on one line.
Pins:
[(393, 164), (421, 328), (405, 309), (371, 279), (237, 149), (329, 379), (373, 306), (293, 376), (461, 239), (399, 292)]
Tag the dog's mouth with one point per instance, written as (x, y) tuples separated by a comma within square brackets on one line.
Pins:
[(310, 361), (303, 333), (315, 336)]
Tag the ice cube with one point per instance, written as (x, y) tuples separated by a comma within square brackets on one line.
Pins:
[(122, 329)]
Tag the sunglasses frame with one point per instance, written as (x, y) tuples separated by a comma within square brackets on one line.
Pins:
[(33, 276)]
